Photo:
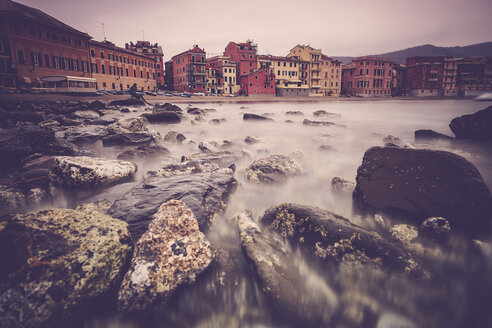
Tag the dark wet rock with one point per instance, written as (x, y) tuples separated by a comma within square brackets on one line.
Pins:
[(252, 140), (418, 183), (217, 121), (342, 185), (249, 116), (167, 107), (297, 292), (86, 114), (96, 104), (272, 169), (172, 252), (184, 168), (205, 193), (196, 111), (475, 127), (135, 124), (174, 137), (53, 260), (326, 148), (317, 123), (222, 158), (427, 135), (332, 238), (85, 171), (392, 141), (435, 227), (127, 102), (102, 121), (162, 117), (86, 134), (10, 118), (125, 110), (391, 144), (66, 121), (207, 147), (325, 114), (294, 112), (143, 152), (288, 121), (11, 200), (128, 139)]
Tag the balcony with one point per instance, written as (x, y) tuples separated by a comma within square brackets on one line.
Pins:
[(315, 78)]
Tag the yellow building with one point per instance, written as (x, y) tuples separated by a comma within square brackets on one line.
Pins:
[(288, 74), (211, 80), (225, 74), (331, 76)]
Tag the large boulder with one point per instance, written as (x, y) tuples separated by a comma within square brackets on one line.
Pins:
[(162, 117), (205, 193), (297, 292), (128, 139), (134, 124), (475, 127), (143, 152), (172, 252), (418, 184), (83, 134), (272, 169), (55, 259), (83, 171), (127, 102)]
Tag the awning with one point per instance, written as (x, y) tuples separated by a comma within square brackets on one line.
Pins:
[(27, 80)]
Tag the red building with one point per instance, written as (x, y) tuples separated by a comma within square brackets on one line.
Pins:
[(258, 83), (368, 77), (153, 51), (245, 55), (189, 70), (423, 76), (34, 44)]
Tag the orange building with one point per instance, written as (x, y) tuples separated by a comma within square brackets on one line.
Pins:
[(34, 44), (153, 51)]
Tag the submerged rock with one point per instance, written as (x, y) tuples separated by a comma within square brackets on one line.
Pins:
[(162, 117), (428, 135), (325, 114), (144, 152), (127, 102), (135, 124), (172, 252), (418, 183), (296, 290), (128, 139), (272, 169), (317, 123), (175, 137), (294, 112), (475, 127), (92, 171), (55, 259), (341, 185), (206, 194), (249, 116), (392, 141), (252, 140)]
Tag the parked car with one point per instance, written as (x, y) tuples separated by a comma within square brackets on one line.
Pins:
[(150, 93), (185, 94)]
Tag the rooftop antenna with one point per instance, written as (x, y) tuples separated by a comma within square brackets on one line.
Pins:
[(104, 32)]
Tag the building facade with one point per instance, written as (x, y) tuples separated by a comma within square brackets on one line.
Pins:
[(34, 44), (259, 82), (154, 51), (189, 71), (331, 76), (423, 76), (245, 55), (116, 68), (287, 71), (224, 71), (313, 73), (368, 77), (474, 76)]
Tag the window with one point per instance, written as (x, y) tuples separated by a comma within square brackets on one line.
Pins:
[(134, 73), (85, 66), (56, 62), (45, 35), (103, 69), (47, 60), (126, 71), (102, 55), (75, 64), (35, 59), (250, 84), (66, 64), (20, 56), (94, 68), (141, 74), (111, 70), (256, 77), (250, 64)]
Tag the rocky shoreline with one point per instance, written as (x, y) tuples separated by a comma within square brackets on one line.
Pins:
[(425, 212)]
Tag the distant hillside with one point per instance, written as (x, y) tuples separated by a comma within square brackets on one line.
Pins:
[(400, 56)]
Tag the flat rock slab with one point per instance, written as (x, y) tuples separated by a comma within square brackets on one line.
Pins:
[(55, 259), (205, 193), (172, 252), (423, 183), (85, 171), (143, 152), (84, 134), (128, 139)]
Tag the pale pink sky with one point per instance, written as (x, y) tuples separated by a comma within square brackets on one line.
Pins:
[(338, 27)]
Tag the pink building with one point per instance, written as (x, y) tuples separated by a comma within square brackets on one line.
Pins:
[(367, 77), (258, 83), (189, 70), (244, 54)]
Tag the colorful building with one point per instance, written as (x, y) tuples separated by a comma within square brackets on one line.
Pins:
[(368, 77), (259, 82), (224, 71), (154, 51), (313, 73), (33, 44), (211, 80), (117, 68), (245, 55), (331, 76), (474, 76), (423, 76), (287, 73), (189, 70)]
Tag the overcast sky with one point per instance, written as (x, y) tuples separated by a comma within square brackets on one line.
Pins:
[(338, 27)]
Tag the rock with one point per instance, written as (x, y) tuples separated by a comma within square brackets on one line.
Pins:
[(325, 114), (196, 111), (102, 121), (135, 124), (127, 102), (475, 127), (86, 114), (317, 123), (254, 117), (427, 135), (297, 292), (418, 183), (205, 193), (185, 168), (342, 186), (96, 104), (221, 158), (174, 137), (217, 121), (10, 118), (55, 259), (392, 141), (144, 152), (91, 171), (128, 139), (404, 233), (288, 121), (272, 169), (207, 147), (326, 148), (294, 112), (167, 107), (252, 140), (331, 238), (86, 134), (11, 200), (162, 117), (172, 252), (125, 110), (435, 227)]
